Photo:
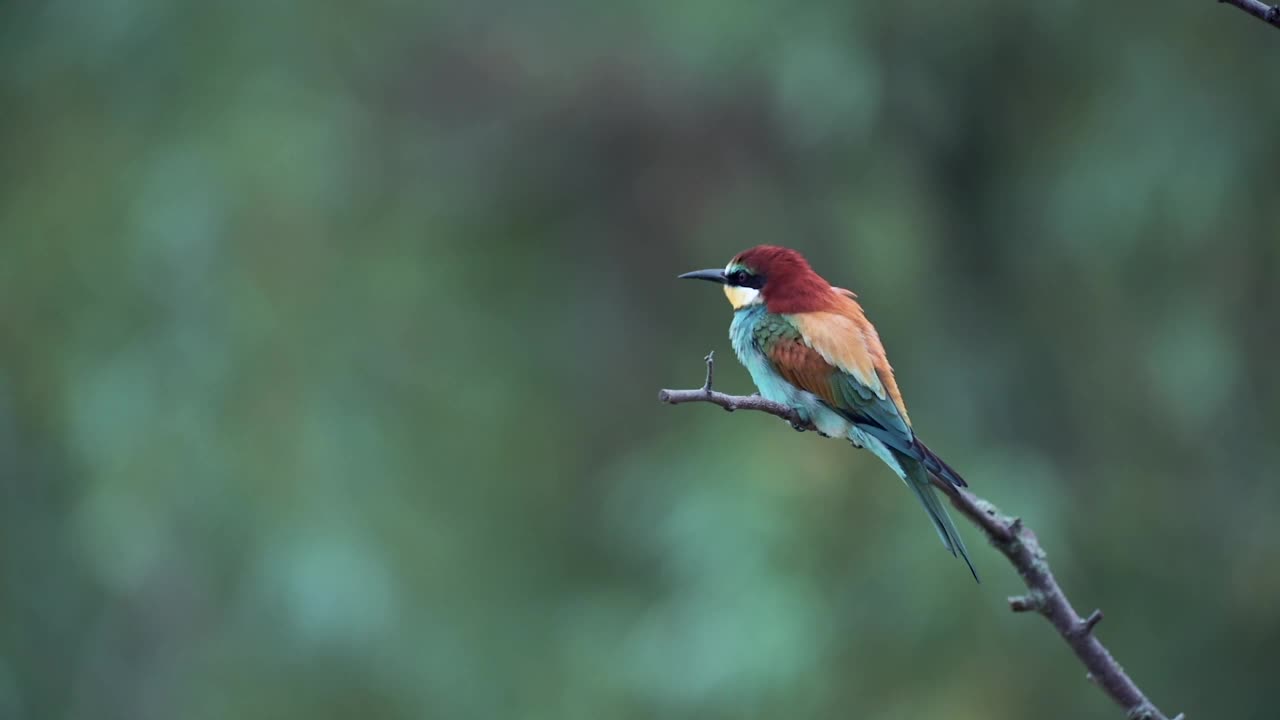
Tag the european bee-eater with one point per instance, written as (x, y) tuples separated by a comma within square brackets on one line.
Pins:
[(809, 346)]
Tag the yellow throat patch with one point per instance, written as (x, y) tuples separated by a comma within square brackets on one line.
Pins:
[(741, 297)]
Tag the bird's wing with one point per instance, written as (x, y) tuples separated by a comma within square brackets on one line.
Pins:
[(840, 359), (825, 354)]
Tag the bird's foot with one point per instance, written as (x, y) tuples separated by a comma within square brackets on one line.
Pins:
[(800, 420)]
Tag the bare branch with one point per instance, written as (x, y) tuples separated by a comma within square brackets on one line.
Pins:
[(1262, 11), (1008, 534)]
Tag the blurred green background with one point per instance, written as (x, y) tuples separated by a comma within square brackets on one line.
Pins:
[(330, 338)]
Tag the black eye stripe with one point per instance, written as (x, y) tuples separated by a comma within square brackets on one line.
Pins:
[(742, 278)]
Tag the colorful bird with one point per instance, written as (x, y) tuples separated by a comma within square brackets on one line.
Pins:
[(809, 346)]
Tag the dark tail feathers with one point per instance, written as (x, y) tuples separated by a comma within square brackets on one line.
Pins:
[(937, 466)]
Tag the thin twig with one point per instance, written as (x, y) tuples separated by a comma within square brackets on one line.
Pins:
[(1090, 622), (1008, 534), (1262, 11), (1024, 603)]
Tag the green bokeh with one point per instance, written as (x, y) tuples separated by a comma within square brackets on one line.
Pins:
[(330, 336)]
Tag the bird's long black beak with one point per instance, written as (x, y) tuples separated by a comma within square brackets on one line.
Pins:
[(715, 275)]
